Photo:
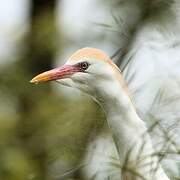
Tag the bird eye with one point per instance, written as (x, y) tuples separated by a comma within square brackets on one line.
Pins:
[(84, 65)]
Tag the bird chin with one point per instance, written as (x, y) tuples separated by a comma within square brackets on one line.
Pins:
[(73, 84), (66, 82)]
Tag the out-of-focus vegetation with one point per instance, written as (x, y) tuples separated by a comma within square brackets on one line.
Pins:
[(42, 133)]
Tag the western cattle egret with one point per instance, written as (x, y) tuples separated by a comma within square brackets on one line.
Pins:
[(91, 71), (151, 69)]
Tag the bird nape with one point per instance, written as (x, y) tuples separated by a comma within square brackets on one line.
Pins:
[(89, 65)]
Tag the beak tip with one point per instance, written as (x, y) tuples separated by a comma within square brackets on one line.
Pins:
[(34, 81)]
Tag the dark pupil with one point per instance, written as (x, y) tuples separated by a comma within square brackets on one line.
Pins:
[(84, 65)]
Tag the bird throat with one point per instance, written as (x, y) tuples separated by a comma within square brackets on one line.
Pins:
[(121, 116)]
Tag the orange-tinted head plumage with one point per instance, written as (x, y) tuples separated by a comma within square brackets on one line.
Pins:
[(89, 52)]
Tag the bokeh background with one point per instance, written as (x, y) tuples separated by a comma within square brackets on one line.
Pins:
[(45, 129)]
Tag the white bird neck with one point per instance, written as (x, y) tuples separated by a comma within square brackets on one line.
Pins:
[(128, 130), (121, 114)]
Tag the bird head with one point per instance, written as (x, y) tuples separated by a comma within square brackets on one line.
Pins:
[(88, 69)]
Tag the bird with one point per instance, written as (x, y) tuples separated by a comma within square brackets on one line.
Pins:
[(149, 61), (92, 71)]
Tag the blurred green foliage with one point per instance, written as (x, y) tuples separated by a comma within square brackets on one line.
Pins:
[(42, 133)]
